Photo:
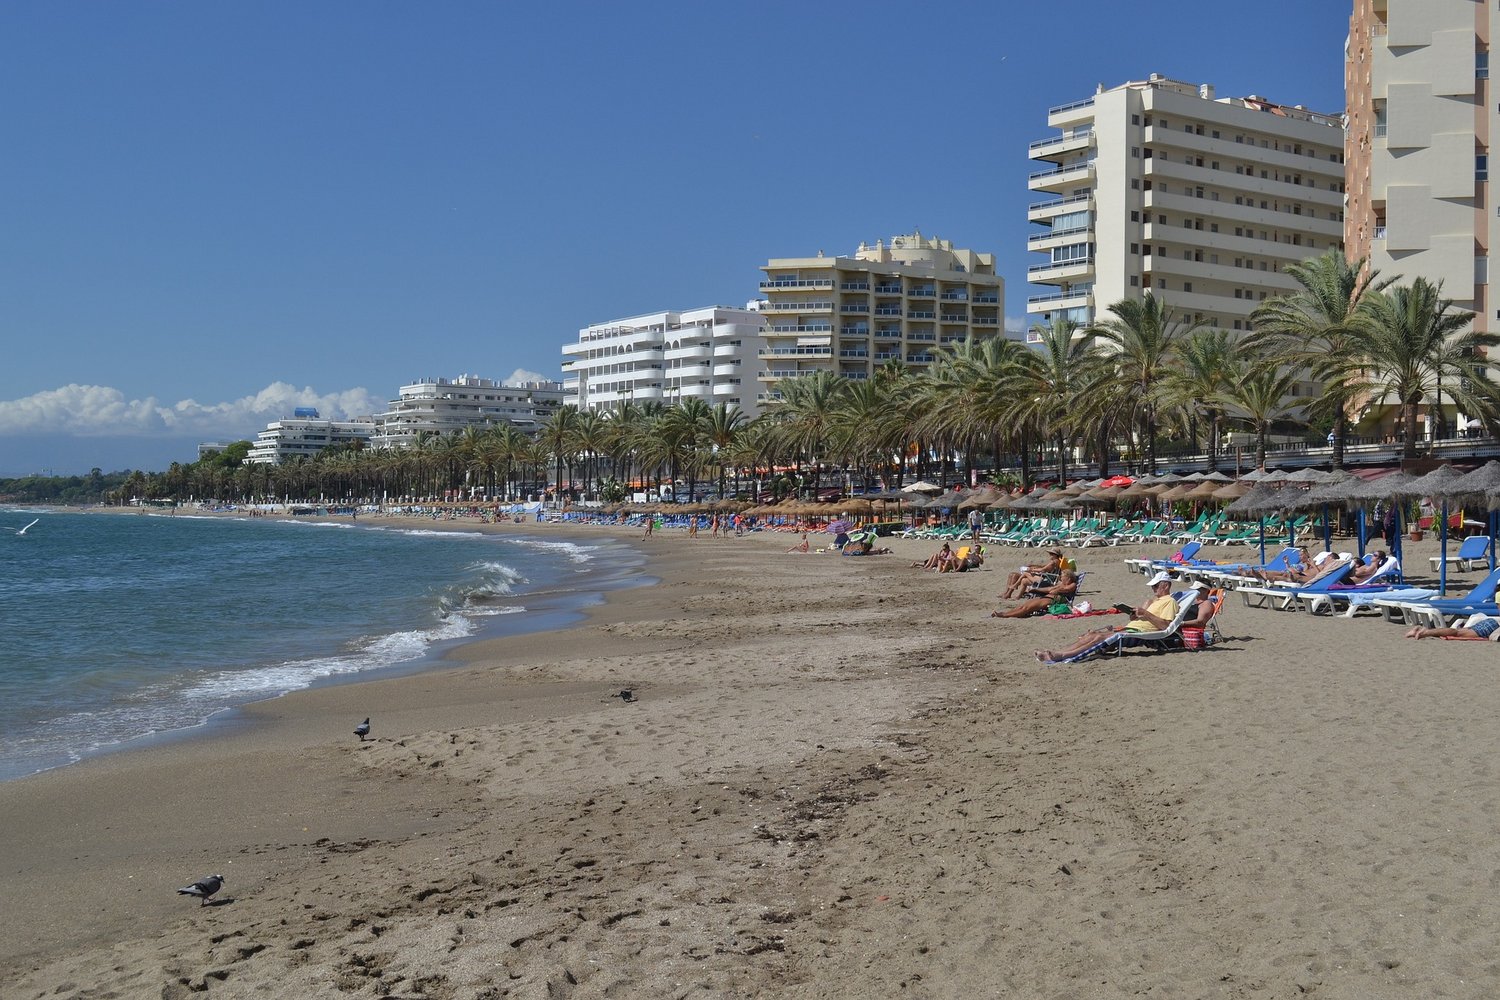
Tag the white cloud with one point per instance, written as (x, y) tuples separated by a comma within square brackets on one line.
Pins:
[(1016, 324), (87, 410), (522, 375)]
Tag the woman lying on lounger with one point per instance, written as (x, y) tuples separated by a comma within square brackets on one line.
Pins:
[(1055, 600), (1155, 615), (1032, 577)]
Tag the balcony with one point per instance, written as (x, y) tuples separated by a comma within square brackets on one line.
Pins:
[(1035, 240), (798, 307), (954, 297), (781, 373), (993, 298), (923, 314), (888, 310), (986, 321), (855, 331), (1060, 269), (1056, 205), (921, 293), (930, 338), (888, 289), (953, 318), (797, 283), (1070, 299), (1060, 145), (855, 307), (1064, 176), (855, 286), (802, 328), (888, 333), (887, 355), (854, 354), (767, 353)]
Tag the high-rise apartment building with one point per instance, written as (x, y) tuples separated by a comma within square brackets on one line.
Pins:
[(706, 354), (443, 406), (893, 301), (1157, 184), (1420, 117)]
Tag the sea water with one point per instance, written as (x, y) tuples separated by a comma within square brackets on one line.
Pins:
[(116, 627)]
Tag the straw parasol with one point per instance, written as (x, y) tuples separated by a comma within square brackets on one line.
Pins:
[(1307, 476), (1203, 491), (1482, 482), (1436, 483), (1216, 477), (1260, 500), (1232, 491), (1177, 492), (857, 506)]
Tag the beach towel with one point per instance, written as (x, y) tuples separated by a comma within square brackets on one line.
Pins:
[(1088, 614)]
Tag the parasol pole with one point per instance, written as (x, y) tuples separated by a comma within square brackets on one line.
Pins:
[(1327, 531), (1362, 527), (1263, 539), (1443, 561)]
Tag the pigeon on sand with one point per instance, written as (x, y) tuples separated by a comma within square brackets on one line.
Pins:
[(203, 888), (362, 730)]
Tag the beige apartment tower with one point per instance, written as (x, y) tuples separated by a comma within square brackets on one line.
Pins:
[(1420, 117), (891, 301), (1158, 184)]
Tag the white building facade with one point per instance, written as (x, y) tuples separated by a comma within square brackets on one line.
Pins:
[(1421, 114), (886, 302), (445, 406), (305, 437), (707, 354), (1157, 184)]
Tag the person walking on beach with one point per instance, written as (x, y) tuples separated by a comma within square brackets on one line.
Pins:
[(650, 525), (693, 526)]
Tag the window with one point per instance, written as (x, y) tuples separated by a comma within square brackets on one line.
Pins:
[(1134, 281), (1135, 119), (1481, 65), (1481, 166), (1161, 283), (1187, 286), (1161, 220), (1213, 227), (1135, 152), (1481, 270), (1135, 183), (1135, 216), (1135, 248)]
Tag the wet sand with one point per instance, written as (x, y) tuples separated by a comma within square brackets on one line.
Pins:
[(840, 778)]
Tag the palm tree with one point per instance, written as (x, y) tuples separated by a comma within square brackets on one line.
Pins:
[(725, 423), (1144, 333), (1261, 396), (557, 437), (809, 406), (1310, 329), (1205, 362), (1048, 388), (1408, 343)]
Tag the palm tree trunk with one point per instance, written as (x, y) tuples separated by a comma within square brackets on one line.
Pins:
[(1025, 459), (1409, 422), (1213, 441), (1340, 429)]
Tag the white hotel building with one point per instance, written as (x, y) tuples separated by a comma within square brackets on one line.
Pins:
[(305, 437), (443, 406), (706, 354), (1156, 184)]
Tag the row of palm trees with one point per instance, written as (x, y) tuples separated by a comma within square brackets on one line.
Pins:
[(1373, 348)]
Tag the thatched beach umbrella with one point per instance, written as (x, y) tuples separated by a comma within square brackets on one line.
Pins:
[(1231, 491), (1438, 483)]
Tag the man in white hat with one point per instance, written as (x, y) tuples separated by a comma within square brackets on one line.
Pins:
[(1156, 614)]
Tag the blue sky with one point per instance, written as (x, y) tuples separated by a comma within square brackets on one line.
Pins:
[(214, 212)]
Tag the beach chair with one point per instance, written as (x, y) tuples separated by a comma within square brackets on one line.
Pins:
[(1117, 642), (1436, 611), (1474, 550), (1283, 598), (1383, 581)]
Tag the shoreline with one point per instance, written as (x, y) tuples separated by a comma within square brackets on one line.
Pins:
[(841, 778)]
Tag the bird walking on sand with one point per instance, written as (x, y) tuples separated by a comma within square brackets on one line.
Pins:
[(362, 730), (22, 531), (203, 888)]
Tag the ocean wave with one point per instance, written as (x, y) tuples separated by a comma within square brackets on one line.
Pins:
[(575, 552)]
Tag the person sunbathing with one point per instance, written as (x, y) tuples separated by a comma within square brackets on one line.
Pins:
[(1055, 600), (1156, 614), (1030, 577), (966, 558), (1477, 627), (1365, 571), (1299, 570), (937, 559), (800, 546)]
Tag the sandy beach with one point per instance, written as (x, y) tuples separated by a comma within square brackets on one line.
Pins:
[(839, 778)]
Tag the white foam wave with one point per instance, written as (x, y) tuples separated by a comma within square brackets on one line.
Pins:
[(575, 552)]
